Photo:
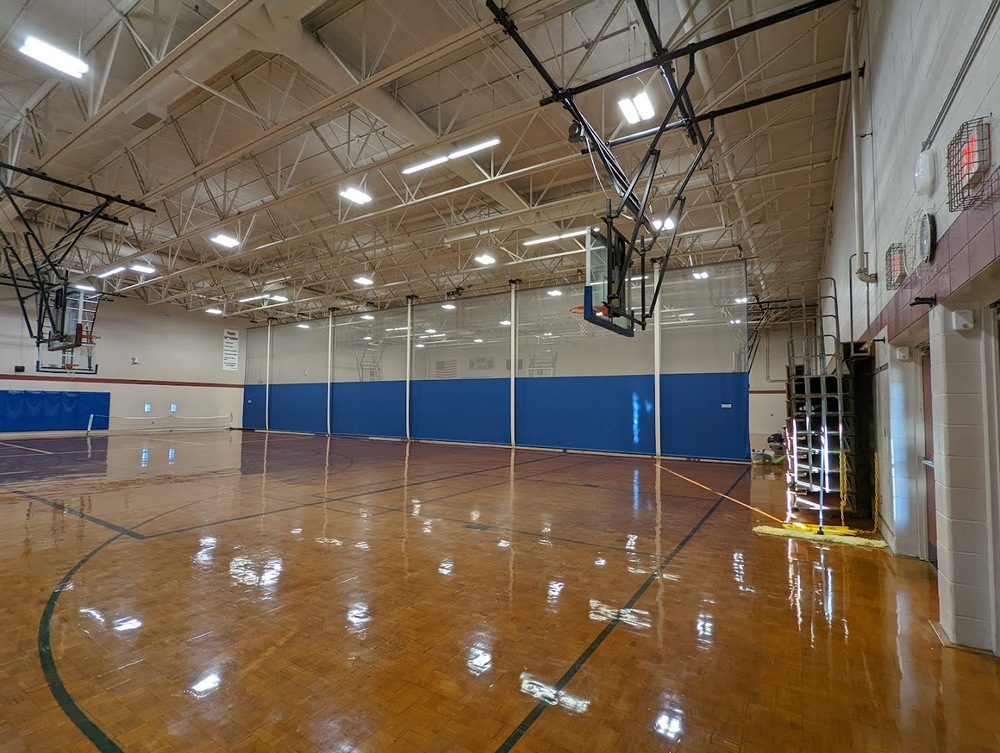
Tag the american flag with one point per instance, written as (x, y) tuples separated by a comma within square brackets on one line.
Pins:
[(446, 369)]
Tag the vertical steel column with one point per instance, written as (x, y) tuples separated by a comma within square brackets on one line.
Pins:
[(657, 345), (329, 374), (513, 362), (267, 381), (409, 359)]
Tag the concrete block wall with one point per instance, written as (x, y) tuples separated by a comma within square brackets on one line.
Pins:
[(964, 515)]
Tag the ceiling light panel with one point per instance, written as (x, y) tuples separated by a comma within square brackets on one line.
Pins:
[(355, 195), (54, 57), (226, 241)]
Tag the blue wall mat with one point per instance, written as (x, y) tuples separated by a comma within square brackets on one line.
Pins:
[(369, 409), (298, 407), (606, 414), (693, 422), (253, 406), (461, 410), (52, 410)]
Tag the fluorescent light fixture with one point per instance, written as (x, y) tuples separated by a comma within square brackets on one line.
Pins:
[(637, 108), (88, 288), (536, 241), (224, 240), (667, 224), (143, 269), (643, 105), (505, 323), (367, 317), (741, 300), (473, 148), (115, 271), (555, 293), (546, 334), (424, 165), (448, 306), (700, 275), (367, 337), (302, 326), (214, 312), (54, 57), (485, 259), (419, 345), (353, 194), (629, 111), (251, 298), (560, 237), (362, 280), (689, 313), (277, 298), (478, 340), (431, 331), (736, 321)]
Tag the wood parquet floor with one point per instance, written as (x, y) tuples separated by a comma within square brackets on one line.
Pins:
[(243, 592)]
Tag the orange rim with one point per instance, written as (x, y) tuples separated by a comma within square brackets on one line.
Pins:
[(578, 310)]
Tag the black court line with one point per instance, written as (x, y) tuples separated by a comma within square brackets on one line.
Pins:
[(80, 514), (540, 707), (345, 498), (75, 714), (84, 723)]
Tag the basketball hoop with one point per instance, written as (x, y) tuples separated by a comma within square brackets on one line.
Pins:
[(586, 331)]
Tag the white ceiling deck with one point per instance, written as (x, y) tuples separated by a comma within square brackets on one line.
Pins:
[(270, 108)]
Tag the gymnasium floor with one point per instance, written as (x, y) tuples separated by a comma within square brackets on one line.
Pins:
[(290, 593)]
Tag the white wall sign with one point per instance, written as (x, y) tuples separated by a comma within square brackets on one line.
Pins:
[(230, 350)]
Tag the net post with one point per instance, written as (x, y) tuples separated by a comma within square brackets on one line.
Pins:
[(90, 423)]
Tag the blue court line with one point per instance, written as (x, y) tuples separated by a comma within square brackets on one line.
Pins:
[(80, 514), (540, 707)]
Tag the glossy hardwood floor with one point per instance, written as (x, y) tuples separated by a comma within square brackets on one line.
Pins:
[(208, 592)]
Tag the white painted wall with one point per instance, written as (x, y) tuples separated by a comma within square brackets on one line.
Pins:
[(169, 343), (912, 50)]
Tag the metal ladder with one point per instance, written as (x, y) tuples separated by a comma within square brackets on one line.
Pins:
[(370, 362), (819, 395)]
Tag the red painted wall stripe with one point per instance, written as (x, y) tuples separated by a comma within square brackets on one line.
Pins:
[(98, 380)]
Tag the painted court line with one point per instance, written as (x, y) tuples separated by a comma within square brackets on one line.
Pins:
[(22, 447), (540, 707), (80, 514), (344, 498)]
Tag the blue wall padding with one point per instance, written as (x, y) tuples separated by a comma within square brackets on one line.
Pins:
[(254, 398), (695, 424), (369, 409), (299, 407), (52, 410), (461, 410), (605, 414)]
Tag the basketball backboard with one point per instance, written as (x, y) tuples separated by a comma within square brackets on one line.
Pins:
[(605, 296)]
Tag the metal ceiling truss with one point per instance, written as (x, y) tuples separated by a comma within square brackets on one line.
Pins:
[(635, 189), (36, 270)]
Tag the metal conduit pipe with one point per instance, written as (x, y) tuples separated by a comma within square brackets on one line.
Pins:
[(705, 77), (863, 272)]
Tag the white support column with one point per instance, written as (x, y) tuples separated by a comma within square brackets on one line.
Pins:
[(513, 363), (329, 372), (267, 381), (964, 517), (409, 359), (657, 344)]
